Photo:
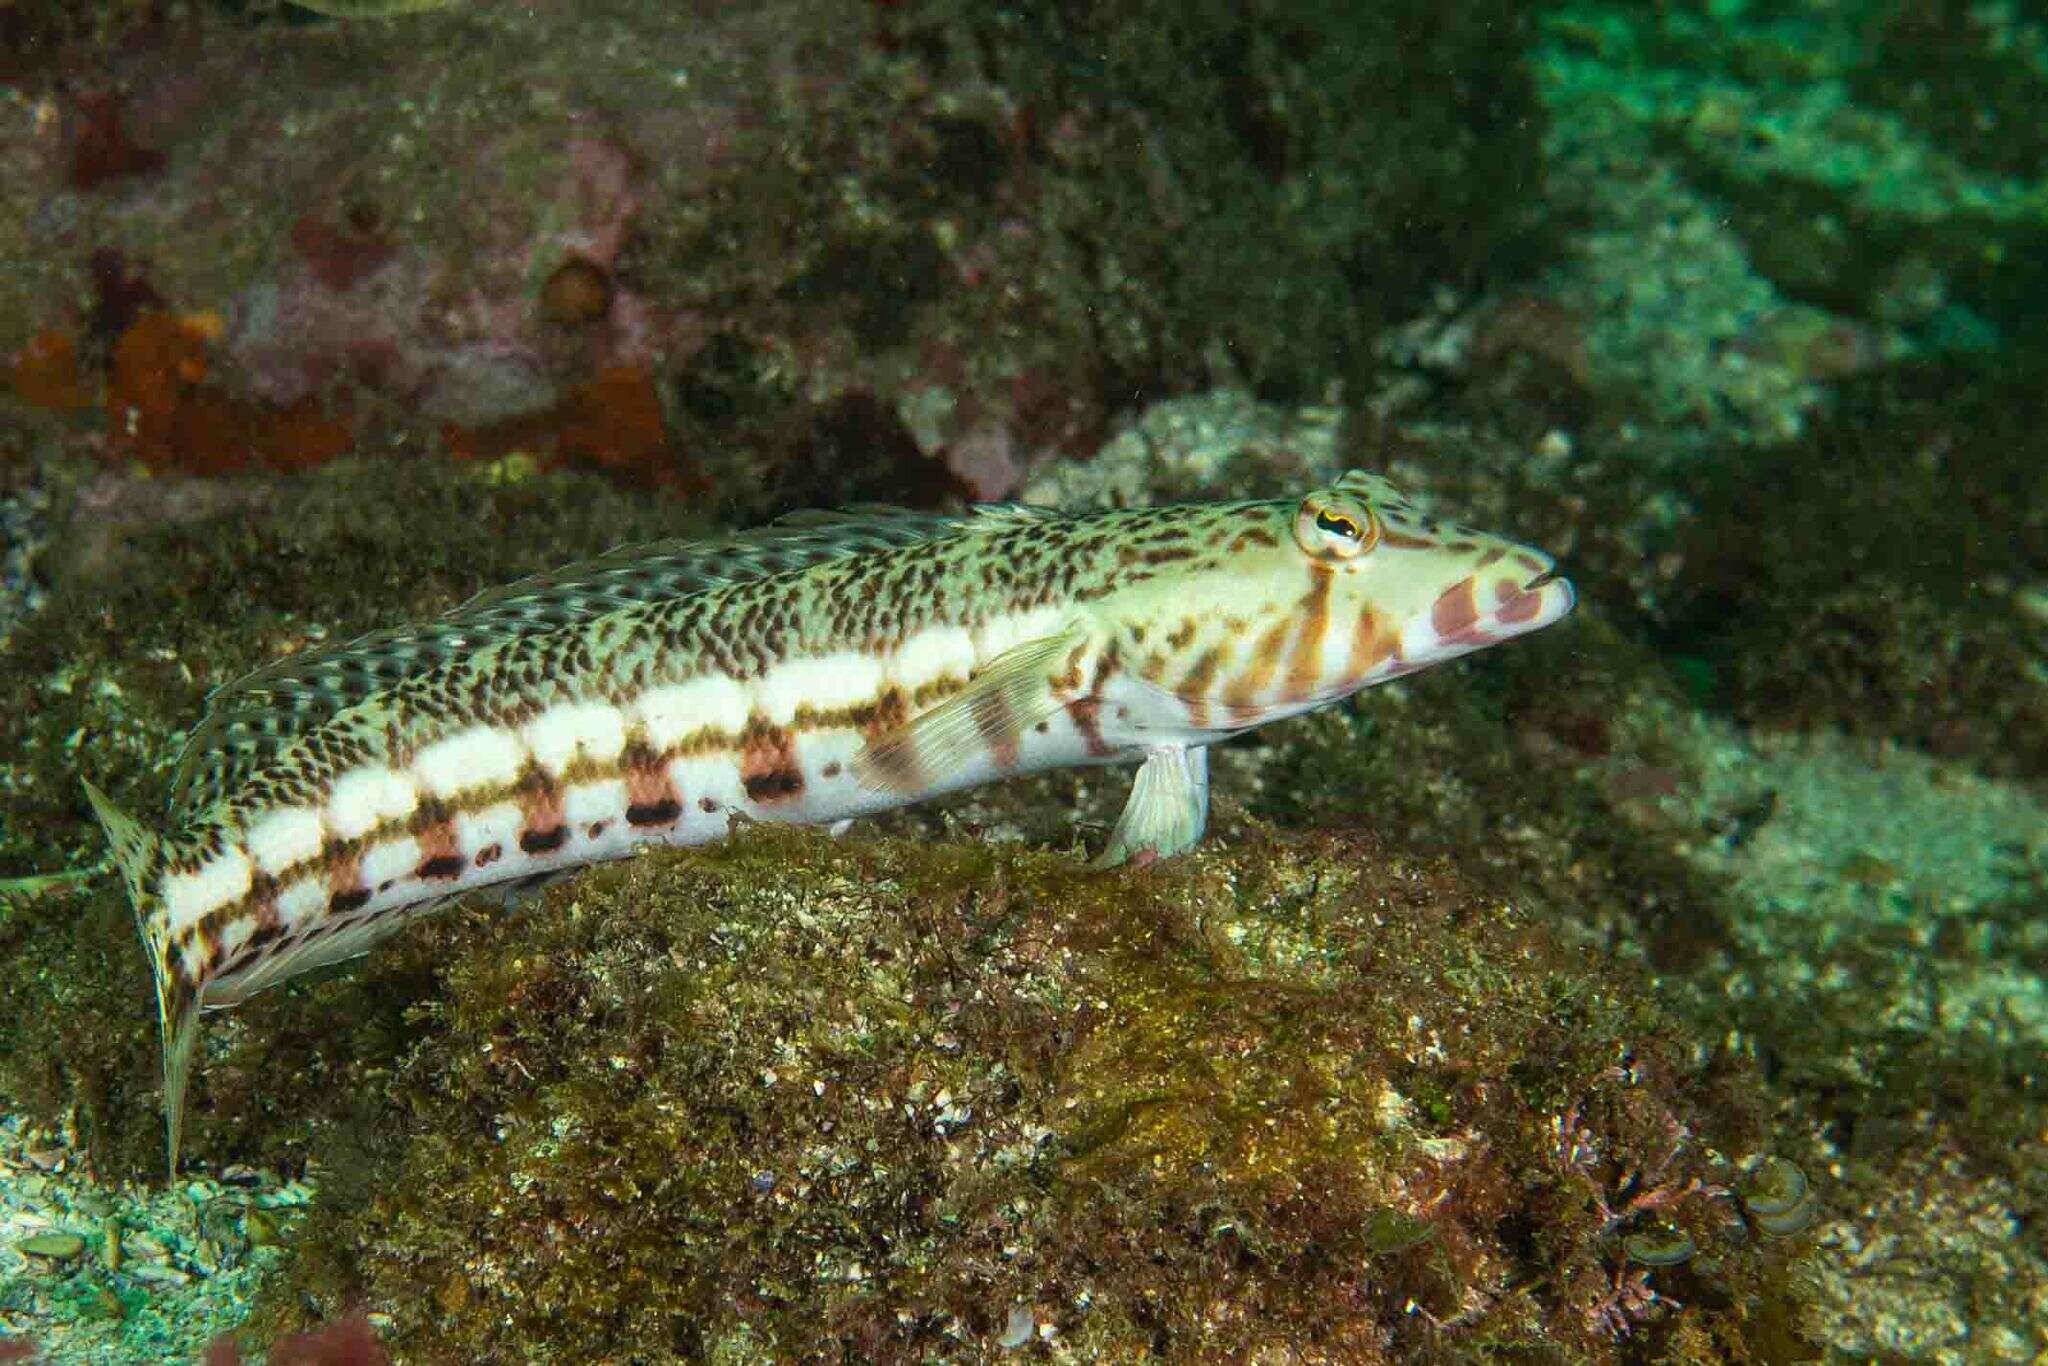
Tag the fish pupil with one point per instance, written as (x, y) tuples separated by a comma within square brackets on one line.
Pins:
[(1341, 526)]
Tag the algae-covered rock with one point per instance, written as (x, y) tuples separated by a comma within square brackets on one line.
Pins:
[(1876, 575), (792, 1096), (1272, 182)]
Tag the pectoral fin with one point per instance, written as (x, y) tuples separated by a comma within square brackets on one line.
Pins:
[(987, 719), (1168, 809)]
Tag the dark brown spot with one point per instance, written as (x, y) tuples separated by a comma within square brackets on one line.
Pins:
[(441, 865), (666, 811), (1369, 644), (489, 854), (831, 770), (440, 850), (706, 804), (597, 828), (888, 711), (774, 785), (341, 903), (1194, 689), (544, 841), (540, 799)]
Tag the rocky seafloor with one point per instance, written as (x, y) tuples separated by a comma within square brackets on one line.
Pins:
[(1664, 987)]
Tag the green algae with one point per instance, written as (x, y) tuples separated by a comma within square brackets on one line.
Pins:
[(788, 1095), (1846, 144)]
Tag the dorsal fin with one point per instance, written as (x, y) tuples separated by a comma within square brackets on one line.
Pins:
[(251, 721)]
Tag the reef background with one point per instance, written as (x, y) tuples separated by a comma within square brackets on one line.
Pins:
[(1667, 987)]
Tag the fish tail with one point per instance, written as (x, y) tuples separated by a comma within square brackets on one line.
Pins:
[(139, 854)]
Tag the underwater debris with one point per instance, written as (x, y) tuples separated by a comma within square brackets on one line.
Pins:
[(44, 373), (165, 414), (346, 1341), (121, 293), (340, 258), (1661, 1246), (612, 422), (52, 1247), (1628, 1301), (576, 292), (101, 148), (1779, 1199)]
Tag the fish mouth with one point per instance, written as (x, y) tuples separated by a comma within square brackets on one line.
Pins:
[(1540, 600)]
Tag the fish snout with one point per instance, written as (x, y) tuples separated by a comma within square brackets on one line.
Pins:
[(1532, 594)]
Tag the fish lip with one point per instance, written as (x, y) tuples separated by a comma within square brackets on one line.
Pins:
[(1547, 577)]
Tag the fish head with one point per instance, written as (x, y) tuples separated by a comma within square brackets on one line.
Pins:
[(1294, 604), (1413, 589)]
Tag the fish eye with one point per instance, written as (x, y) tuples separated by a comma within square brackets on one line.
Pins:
[(1338, 524), (1333, 527)]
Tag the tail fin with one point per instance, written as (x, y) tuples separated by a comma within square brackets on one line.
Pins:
[(138, 853)]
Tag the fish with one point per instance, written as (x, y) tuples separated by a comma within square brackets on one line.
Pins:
[(822, 668)]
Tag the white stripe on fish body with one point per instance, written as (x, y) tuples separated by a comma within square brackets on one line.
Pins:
[(301, 900), (362, 799), (189, 897), (492, 756), (1006, 630), (495, 827), (390, 861), (286, 838), (673, 712), (559, 738), (826, 683)]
